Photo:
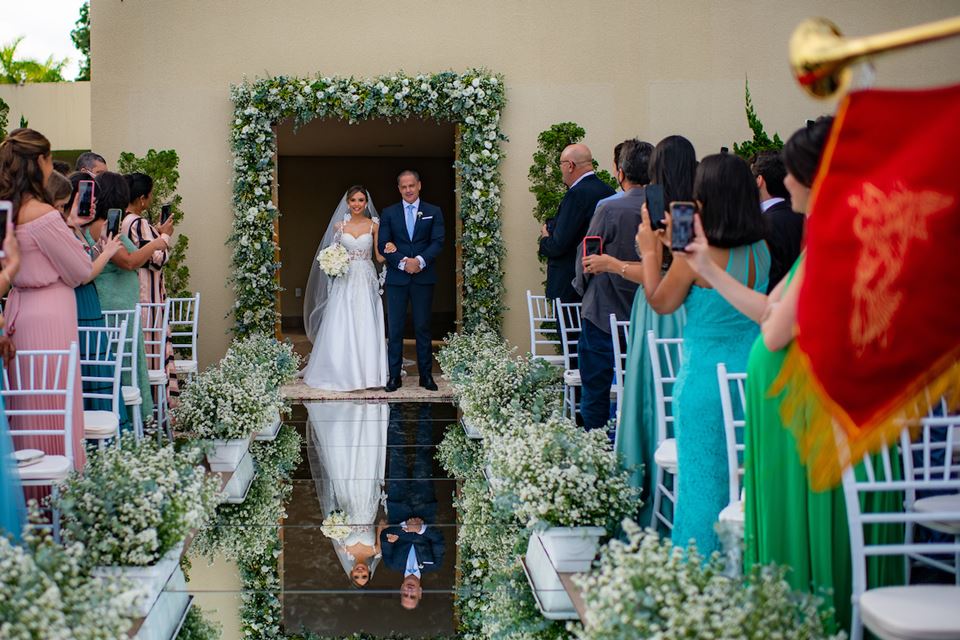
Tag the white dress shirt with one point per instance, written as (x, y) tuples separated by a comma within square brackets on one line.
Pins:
[(577, 181), (416, 209), (766, 204)]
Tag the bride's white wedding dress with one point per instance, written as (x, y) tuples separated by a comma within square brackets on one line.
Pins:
[(350, 351)]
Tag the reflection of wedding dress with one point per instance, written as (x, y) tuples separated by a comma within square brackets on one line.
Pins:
[(350, 351), (348, 464)]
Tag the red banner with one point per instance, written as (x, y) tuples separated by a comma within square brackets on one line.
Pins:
[(879, 311)]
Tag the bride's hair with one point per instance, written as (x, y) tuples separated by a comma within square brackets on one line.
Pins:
[(358, 188)]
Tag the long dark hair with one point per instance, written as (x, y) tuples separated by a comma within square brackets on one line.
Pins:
[(729, 201), (113, 192), (673, 164), (803, 150), (20, 172)]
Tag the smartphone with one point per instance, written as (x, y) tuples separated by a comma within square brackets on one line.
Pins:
[(85, 194), (655, 205), (6, 223), (681, 214), (165, 212), (592, 246), (113, 222)]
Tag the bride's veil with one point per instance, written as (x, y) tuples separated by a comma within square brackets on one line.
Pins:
[(318, 283)]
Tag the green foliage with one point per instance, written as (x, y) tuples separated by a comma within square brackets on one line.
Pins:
[(162, 167), (23, 122), (197, 627), (4, 115), (24, 70), (546, 180), (81, 39), (761, 141)]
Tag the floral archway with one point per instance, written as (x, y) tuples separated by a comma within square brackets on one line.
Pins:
[(472, 100)]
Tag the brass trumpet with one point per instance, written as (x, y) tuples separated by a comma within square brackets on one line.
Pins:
[(821, 57)]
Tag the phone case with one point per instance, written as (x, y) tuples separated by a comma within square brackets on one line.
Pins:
[(584, 244)]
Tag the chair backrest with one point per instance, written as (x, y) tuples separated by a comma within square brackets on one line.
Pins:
[(620, 337), (101, 362), (665, 357), (570, 326), (115, 318), (183, 317), (733, 403), (544, 331), (42, 373), (878, 474), (154, 318)]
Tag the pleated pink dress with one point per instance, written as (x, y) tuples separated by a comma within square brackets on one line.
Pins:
[(41, 313)]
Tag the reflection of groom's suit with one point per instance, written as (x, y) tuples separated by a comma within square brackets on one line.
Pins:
[(413, 288), (410, 494)]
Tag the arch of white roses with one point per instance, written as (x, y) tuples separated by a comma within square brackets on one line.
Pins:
[(473, 100)]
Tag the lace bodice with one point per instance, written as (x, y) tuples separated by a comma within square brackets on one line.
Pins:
[(358, 248)]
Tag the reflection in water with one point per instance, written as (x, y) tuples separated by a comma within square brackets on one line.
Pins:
[(412, 544), (376, 463), (348, 462)]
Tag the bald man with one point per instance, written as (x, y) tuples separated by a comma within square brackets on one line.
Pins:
[(561, 237)]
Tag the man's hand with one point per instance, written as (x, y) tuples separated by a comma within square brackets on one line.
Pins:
[(544, 232), (411, 265), (392, 537), (413, 525)]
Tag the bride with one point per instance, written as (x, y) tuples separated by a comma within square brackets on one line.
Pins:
[(343, 316)]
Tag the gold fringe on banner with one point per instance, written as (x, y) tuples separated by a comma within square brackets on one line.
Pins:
[(816, 420)]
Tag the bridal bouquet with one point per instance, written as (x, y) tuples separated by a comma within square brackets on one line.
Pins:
[(334, 260), (335, 526)]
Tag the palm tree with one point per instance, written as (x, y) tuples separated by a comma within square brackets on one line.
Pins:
[(13, 71)]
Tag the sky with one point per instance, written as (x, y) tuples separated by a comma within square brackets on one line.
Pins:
[(46, 25)]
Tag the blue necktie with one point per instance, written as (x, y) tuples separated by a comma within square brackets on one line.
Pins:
[(411, 220)]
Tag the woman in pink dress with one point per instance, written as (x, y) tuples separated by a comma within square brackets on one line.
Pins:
[(41, 310)]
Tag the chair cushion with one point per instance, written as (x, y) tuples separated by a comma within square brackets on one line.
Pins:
[(157, 377), (185, 366), (131, 396), (53, 468), (917, 612), (666, 455), (939, 504), (732, 513), (571, 377), (100, 424)]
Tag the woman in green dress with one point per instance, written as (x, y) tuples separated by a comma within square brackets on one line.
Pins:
[(786, 522), (118, 284), (673, 165)]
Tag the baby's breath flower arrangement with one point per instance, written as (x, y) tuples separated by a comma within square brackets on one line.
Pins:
[(556, 473), (132, 505), (646, 587), (46, 592), (225, 403), (276, 361)]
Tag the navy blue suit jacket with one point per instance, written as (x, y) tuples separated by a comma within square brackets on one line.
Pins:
[(430, 547), (562, 247), (427, 242)]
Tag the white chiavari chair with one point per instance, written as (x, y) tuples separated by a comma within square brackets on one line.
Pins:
[(183, 318), (568, 314), (665, 357), (154, 324), (620, 337), (544, 329), (130, 393)]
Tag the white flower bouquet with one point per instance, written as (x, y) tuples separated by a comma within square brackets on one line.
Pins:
[(646, 587), (130, 506), (46, 592), (336, 526), (557, 474), (225, 403), (334, 260)]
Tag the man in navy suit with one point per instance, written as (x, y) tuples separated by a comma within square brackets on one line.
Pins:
[(560, 241), (415, 228), (411, 545)]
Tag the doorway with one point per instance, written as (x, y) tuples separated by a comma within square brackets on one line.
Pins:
[(319, 161)]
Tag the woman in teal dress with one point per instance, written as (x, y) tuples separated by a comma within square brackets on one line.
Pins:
[(728, 202), (673, 164), (12, 511)]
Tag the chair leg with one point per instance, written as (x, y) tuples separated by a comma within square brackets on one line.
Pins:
[(55, 515), (137, 421), (656, 498), (856, 625)]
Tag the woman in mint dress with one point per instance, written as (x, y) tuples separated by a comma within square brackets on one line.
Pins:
[(728, 202), (673, 164)]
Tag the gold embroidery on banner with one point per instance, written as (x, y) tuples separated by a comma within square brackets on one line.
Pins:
[(885, 223)]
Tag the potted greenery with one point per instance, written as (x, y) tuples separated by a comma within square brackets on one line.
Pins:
[(572, 490), (225, 405), (276, 362), (133, 507)]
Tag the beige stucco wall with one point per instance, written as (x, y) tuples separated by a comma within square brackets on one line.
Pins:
[(61, 110), (162, 70)]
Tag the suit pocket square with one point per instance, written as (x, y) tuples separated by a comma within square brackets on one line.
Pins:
[(427, 218)]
